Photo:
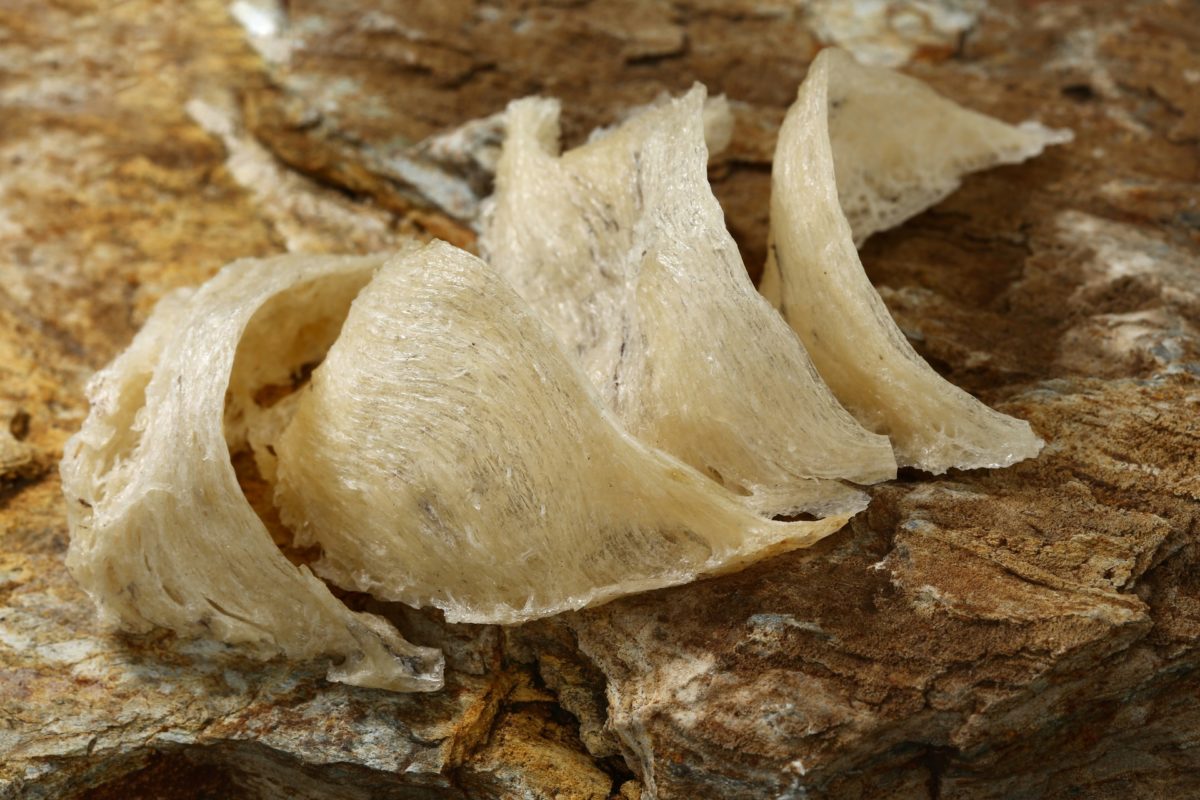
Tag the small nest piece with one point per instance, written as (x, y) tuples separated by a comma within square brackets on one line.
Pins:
[(606, 405)]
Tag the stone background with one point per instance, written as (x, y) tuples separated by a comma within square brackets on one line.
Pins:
[(1030, 632)]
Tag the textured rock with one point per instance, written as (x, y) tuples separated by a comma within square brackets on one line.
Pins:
[(979, 621), (1024, 633)]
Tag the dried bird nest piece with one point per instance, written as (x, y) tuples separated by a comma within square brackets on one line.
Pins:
[(161, 533), (817, 276), (504, 442), (899, 147), (445, 431), (448, 454), (622, 248), (717, 118)]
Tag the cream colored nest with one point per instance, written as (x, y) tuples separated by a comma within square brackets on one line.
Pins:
[(604, 405)]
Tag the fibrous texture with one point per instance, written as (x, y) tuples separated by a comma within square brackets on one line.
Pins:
[(825, 295), (606, 408), (621, 247), (161, 533), (465, 463), (446, 453), (899, 147), (717, 117)]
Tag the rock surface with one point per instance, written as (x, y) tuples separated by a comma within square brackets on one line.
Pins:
[(1022, 633)]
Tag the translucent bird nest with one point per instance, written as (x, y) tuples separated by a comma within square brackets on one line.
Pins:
[(604, 404)]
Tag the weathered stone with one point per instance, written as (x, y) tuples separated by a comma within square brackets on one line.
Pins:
[(530, 755), (965, 621), (1031, 632)]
